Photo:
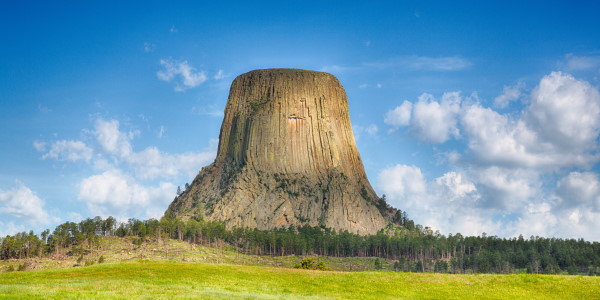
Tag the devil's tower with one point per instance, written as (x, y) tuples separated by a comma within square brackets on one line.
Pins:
[(286, 156)]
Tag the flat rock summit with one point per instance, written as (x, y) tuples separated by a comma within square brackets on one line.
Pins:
[(287, 156)]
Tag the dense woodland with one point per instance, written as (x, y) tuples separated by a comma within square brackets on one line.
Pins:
[(406, 248)]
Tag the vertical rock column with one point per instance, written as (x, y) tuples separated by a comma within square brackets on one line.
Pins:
[(287, 156)]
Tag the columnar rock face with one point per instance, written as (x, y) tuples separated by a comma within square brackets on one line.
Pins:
[(287, 156)]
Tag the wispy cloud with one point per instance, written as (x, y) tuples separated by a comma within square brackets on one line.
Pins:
[(370, 130), (113, 146), (220, 75), (407, 63), (338, 69), (423, 63), (509, 94), (66, 151), (161, 132), (149, 47), (366, 85), (208, 110), (43, 108), (184, 75), (39, 146), (582, 63)]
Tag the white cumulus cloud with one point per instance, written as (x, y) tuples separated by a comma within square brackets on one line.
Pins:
[(113, 193), (449, 203), (454, 186), (10, 228), (433, 121), (558, 129), (497, 139), (399, 116), (506, 189), (507, 183), (566, 112), (429, 120), (130, 184), (404, 185), (151, 163), (21, 202), (112, 140), (580, 189)]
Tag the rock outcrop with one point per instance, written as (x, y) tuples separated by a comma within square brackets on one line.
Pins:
[(287, 156)]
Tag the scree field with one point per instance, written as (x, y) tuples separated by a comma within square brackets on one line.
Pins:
[(164, 279)]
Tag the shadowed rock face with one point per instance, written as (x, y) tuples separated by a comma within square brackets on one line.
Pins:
[(287, 156)]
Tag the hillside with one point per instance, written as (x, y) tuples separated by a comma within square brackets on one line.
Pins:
[(411, 248), (131, 267), (115, 250)]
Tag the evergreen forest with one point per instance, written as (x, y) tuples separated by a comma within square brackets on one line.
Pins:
[(411, 248)]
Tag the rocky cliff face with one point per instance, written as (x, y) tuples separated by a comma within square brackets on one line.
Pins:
[(287, 156)]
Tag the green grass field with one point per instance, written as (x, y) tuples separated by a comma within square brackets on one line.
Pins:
[(164, 279)]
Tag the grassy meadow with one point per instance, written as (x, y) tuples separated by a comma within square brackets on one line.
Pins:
[(174, 269), (169, 279)]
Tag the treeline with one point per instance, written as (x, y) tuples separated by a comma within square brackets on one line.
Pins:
[(85, 233), (416, 250)]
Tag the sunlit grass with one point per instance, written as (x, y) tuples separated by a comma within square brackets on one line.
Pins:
[(163, 279)]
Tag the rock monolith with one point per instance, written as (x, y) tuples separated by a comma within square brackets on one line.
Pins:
[(287, 156)]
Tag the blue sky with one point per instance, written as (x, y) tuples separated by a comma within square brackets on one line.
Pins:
[(471, 116)]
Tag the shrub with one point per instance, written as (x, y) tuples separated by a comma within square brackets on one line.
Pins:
[(310, 264), (306, 263), (137, 241), (378, 265), (23, 266), (101, 259)]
